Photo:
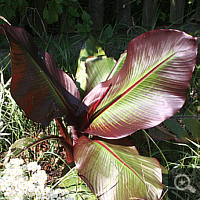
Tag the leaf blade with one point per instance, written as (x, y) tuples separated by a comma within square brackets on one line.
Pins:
[(39, 87), (98, 70), (90, 48), (148, 89), (193, 125), (115, 172), (177, 129)]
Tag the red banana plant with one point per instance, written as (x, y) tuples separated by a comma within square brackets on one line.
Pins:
[(147, 85)]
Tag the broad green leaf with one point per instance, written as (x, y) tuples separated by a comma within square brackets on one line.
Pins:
[(73, 12), (90, 48), (151, 86), (98, 70), (108, 33), (177, 129), (101, 68), (46, 13), (160, 134), (85, 16), (38, 85), (59, 8), (53, 15), (192, 125), (117, 172)]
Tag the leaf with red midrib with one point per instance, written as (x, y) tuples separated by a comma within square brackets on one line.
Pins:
[(151, 86), (38, 85), (117, 172)]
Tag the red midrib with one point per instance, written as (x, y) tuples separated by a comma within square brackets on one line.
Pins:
[(95, 115)]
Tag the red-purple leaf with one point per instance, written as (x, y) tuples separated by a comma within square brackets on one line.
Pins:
[(117, 172), (68, 151), (151, 86), (63, 131), (38, 85)]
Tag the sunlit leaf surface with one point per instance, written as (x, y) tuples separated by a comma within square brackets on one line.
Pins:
[(98, 70), (151, 86), (117, 172), (90, 48)]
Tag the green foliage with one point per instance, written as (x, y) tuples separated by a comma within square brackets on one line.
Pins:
[(85, 26), (13, 124), (187, 162), (72, 13), (52, 10), (108, 33), (8, 8)]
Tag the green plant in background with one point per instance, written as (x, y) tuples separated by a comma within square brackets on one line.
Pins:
[(9, 8), (113, 41), (72, 11), (53, 9), (85, 26), (184, 164)]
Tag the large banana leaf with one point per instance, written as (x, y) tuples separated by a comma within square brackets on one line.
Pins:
[(101, 68), (39, 87), (151, 86), (90, 48), (119, 65), (117, 172), (98, 70)]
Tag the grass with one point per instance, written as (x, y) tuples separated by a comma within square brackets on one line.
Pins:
[(176, 157)]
